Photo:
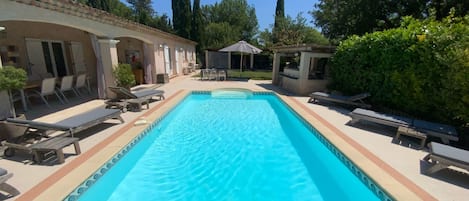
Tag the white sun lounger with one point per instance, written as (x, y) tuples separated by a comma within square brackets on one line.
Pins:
[(442, 156)]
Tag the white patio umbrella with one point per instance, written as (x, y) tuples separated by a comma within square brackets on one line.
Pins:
[(242, 47)]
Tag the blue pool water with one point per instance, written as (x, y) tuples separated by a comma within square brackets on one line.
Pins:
[(235, 148)]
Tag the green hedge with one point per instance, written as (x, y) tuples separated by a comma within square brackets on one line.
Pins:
[(421, 68)]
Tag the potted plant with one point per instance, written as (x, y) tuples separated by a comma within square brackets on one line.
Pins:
[(11, 78), (124, 76)]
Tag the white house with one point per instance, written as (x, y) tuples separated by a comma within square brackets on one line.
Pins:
[(62, 37)]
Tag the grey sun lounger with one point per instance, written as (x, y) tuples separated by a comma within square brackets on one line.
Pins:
[(75, 123), (126, 98), (356, 100), (444, 132), (442, 156), (4, 176)]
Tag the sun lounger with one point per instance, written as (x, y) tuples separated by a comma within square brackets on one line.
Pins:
[(4, 176), (442, 156), (126, 98), (356, 100), (444, 132), (31, 141), (75, 123)]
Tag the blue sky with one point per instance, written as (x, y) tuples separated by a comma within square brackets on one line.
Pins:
[(265, 9)]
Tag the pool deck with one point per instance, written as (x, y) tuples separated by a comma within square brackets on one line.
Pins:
[(398, 166)]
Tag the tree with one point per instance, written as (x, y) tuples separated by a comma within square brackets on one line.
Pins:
[(197, 24), (119, 9), (182, 17), (279, 16), (340, 19), (236, 16), (162, 22), (99, 4), (292, 32), (142, 10)]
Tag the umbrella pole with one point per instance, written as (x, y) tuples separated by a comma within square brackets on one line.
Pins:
[(241, 65)]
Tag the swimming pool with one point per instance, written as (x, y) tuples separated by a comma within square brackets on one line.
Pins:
[(229, 147)]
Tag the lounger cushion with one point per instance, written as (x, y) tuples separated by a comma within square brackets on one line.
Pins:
[(329, 96), (86, 117), (435, 127), (392, 119), (3, 172), (358, 96), (450, 152), (37, 124), (147, 92)]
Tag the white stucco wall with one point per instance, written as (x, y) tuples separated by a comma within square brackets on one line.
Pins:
[(13, 11)]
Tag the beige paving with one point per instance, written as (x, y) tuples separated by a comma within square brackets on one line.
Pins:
[(446, 185)]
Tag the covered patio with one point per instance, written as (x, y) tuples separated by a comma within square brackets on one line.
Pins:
[(302, 69)]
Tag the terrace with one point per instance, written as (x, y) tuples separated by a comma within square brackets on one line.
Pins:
[(400, 161)]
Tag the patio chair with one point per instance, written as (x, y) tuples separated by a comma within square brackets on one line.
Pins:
[(47, 89), (81, 83), (356, 100), (66, 85), (5, 187), (442, 156), (414, 127), (126, 98), (221, 74)]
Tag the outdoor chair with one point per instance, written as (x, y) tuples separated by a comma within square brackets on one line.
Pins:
[(414, 127), (356, 100), (126, 98), (66, 85), (5, 187), (47, 89), (81, 83), (204, 74), (221, 74), (442, 156)]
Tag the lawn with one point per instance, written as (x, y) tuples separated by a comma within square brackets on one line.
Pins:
[(248, 74)]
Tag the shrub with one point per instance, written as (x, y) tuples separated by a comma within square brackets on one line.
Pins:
[(420, 68), (12, 78), (124, 76)]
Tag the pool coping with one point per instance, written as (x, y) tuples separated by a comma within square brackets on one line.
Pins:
[(64, 181), (397, 185)]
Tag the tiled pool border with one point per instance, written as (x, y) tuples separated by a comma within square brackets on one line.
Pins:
[(365, 179)]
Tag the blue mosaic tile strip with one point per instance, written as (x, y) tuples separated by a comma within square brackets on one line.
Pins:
[(74, 195), (375, 188)]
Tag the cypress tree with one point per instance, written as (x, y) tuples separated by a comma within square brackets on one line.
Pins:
[(182, 17), (197, 23), (279, 17), (187, 19), (175, 4)]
